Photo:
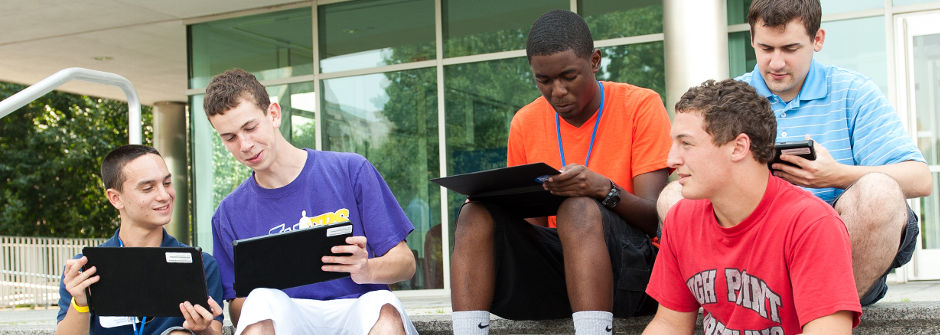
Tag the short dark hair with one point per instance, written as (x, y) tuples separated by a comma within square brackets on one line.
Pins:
[(112, 166), (227, 89), (730, 107), (557, 31), (777, 13)]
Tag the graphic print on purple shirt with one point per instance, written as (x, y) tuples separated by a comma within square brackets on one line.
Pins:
[(334, 184)]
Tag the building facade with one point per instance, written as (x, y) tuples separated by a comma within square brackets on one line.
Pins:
[(427, 88)]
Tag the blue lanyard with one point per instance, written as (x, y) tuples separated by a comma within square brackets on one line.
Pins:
[(143, 321), (600, 110)]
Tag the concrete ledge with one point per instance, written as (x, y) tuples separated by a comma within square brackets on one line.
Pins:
[(883, 318)]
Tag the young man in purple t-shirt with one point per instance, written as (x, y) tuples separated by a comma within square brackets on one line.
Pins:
[(292, 188)]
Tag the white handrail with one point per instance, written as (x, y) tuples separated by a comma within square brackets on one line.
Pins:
[(57, 79)]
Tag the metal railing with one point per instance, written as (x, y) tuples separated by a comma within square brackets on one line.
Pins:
[(30, 268), (57, 79)]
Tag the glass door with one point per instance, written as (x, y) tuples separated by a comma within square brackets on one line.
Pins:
[(917, 43)]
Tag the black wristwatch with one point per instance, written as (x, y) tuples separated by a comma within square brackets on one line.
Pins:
[(612, 198)]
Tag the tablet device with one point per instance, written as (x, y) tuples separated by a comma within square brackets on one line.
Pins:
[(287, 259), (139, 281), (803, 149), (518, 189)]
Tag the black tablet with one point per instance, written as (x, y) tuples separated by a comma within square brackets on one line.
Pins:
[(287, 259), (138, 281), (518, 189)]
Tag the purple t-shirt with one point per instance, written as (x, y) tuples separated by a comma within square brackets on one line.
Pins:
[(332, 187)]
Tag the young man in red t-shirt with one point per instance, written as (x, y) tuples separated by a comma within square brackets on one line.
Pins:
[(610, 142), (759, 255)]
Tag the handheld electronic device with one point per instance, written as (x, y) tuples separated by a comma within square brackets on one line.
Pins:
[(797, 148)]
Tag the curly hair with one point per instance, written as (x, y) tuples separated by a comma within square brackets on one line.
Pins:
[(729, 108), (226, 91)]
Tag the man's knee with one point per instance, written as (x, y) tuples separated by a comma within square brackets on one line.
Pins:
[(875, 196), (474, 218), (579, 213), (670, 195), (261, 327), (389, 321)]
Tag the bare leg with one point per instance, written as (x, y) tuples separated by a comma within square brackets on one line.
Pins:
[(389, 322), (472, 272), (670, 195), (875, 214), (265, 327), (588, 272)]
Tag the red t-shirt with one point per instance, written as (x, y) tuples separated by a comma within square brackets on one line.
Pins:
[(788, 263), (632, 136)]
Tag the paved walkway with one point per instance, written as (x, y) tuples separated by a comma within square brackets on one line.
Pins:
[(437, 302)]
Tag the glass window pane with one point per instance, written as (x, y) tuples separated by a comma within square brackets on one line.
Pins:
[(858, 45), (737, 9), (637, 64), (270, 46), (484, 26), (215, 173), (298, 109), (910, 2), (359, 34), (481, 99), (741, 57), (616, 18), (842, 6), (926, 72), (391, 119)]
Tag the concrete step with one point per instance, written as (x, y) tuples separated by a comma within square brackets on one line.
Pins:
[(883, 318)]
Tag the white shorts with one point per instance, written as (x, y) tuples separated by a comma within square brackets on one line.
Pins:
[(308, 316)]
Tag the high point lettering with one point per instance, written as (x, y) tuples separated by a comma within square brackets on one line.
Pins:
[(752, 293), (775, 330), (712, 326), (702, 286)]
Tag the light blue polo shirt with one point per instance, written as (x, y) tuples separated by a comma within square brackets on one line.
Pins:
[(846, 113)]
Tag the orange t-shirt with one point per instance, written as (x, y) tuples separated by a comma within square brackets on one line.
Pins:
[(632, 137)]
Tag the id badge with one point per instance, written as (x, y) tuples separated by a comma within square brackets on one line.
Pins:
[(116, 321)]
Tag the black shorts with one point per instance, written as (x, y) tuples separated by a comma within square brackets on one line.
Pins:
[(530, 277), (905, 252)]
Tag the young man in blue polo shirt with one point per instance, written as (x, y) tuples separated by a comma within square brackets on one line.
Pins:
[(137, 183), (866, 164)]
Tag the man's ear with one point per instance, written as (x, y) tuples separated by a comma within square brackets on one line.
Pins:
[(741, 147), (596, 60), (274, 112), (114, 196), (819, 39)]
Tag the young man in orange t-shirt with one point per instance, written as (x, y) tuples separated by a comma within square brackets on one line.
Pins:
[(593, 260)]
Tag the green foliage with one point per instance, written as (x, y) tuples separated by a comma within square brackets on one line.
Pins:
[(50, 154)]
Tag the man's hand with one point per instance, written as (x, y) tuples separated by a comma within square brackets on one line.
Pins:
[(76, 280), (357, 263), (197, 318), (577, 180), (820, 173)]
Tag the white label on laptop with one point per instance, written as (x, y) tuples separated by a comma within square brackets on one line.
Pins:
[(338, 231), (179, 257), (116, 321)]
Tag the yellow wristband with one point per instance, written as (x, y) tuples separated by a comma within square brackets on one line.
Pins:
[(80, 309)]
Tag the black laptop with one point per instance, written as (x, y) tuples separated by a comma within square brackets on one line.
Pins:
[(287, 259), (518, 189), (138, 281)]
